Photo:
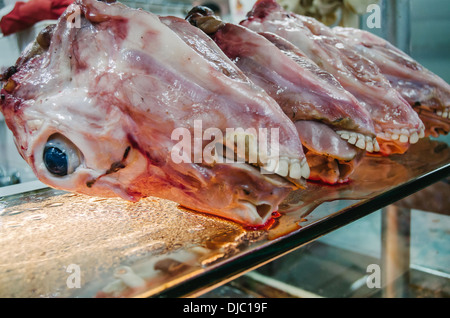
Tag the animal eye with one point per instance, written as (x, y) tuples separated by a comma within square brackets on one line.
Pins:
[(61, 157)]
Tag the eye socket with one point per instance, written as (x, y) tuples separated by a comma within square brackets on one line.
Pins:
[(61, 156)]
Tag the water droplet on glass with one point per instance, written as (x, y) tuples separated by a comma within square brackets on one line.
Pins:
[(53, 205), (36, 217), (15, 212), (13, 224)]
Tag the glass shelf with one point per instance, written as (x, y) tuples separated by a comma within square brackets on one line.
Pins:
[(59, 244)]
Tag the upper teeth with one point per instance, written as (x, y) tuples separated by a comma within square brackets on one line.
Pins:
[(284, 167), (444, 113), (359, 140), (412, 136)]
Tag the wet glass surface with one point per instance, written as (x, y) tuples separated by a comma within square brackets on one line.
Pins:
[(59, 244)]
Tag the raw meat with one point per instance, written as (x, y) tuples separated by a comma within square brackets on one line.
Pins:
[(426, 92), (304, 91), (396, 123), (103, 108)]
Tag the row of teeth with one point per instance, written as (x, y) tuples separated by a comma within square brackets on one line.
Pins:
[(283, 166), (404, 135), (445, 113), (359, 140)]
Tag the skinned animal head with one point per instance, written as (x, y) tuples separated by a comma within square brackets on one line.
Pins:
[(112, 102)]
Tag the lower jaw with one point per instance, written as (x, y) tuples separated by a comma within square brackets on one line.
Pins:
[(331, 170), (391, 147), (435, 125)]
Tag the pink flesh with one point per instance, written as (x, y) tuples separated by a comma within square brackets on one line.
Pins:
[(302, 90), (323, 152), (320, 138), (358, 75), (124, 79), (423, 90), (305, 93), (416, 83)]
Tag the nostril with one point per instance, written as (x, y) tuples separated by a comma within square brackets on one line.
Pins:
[(263, 210)]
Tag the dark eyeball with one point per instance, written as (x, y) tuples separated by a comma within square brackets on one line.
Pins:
[(61, 156)]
